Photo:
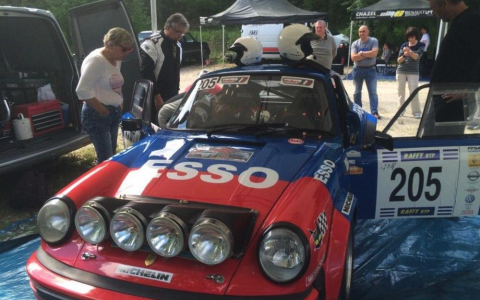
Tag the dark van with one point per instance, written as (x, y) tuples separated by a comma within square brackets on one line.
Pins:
[(39, 109)]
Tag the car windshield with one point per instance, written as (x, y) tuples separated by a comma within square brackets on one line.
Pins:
[(255, 102)]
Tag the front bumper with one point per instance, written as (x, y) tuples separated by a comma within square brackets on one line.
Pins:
[(62, 282)]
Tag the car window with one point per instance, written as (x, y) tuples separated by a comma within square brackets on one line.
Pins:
[(255, 99), (188, 38), (445, 110)]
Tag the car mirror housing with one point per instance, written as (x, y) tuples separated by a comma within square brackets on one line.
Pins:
[(131, 124), (384, 140)]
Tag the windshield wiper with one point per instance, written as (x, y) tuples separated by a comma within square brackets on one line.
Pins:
[(246, 127), (278, 128)]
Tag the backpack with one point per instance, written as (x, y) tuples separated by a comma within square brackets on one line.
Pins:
[(30, 192)]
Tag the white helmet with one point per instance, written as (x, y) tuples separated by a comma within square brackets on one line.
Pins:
[(294, 42), (249, 51)]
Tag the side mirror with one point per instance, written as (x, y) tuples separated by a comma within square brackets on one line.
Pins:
[(131, 124), (384, 140)]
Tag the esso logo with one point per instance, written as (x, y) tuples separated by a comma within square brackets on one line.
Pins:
[(216, 174)]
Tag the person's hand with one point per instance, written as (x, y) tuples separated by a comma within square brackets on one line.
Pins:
[(406, 51), (452, 97), (158, 102)]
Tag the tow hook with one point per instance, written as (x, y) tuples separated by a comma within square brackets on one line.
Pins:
[(216, 277)]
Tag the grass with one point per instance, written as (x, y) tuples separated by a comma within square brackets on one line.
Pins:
[(58, 174)]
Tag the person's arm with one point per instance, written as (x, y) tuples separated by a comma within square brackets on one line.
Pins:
[(355, 55), (149, 57), (91, 70), (166, 112), (334, 47)]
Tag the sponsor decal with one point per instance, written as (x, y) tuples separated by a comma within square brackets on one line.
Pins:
[(389, 13), (297, 81), (144, 273), (320, 229), (353, 153), (416, 211), (355, 170), (347, 205), (473, 149), (217, 173), (399, 14), (469, 199), (474, 160), (420, 155), (219, 153), (235, 79), (323, 173), (365, 14), (347, 163), (467, 212), (208, 83), (295, 141), (358, 109), (471, 190), (473, 176)]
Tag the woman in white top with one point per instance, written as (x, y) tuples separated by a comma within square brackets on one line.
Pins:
[(100, 87)]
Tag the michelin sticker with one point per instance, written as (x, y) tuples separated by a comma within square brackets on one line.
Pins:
[(425, 182)]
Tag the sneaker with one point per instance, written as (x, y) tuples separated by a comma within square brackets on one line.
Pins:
[(473, 127), (376, 115), (417, 115)]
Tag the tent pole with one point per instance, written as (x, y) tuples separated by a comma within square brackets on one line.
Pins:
[(223, 43), (201, 45), (153, 15), (349, 48)]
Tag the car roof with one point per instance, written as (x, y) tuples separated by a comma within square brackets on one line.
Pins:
[(271, 68)]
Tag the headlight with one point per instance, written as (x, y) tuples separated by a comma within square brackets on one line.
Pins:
[(91, 224), (282, 254), (166, 234), (210, 241), (54, 221), (127, 230)]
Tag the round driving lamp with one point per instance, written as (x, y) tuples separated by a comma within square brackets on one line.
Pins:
[(54, 221), (91, 224), (126, 229), (166, 234), (282, 255), (210, 241)]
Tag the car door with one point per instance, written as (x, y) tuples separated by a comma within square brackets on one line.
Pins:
[(433, 171), (89, 23)]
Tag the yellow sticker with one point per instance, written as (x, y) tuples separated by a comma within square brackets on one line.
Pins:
[(474, 160)]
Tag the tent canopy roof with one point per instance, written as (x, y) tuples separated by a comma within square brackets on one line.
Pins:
[(394, 9), (265, 12)]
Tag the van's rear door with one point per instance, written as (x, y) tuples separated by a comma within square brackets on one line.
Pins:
[(89, 23)]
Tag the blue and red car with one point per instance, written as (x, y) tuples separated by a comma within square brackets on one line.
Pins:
[(252, 190)]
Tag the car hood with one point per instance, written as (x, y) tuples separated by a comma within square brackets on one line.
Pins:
[(243, 174)]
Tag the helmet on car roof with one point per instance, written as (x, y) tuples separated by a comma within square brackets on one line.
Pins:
[(294, 42), (249, 51)]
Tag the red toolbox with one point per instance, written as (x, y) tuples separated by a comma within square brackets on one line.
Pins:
[(45, 116)]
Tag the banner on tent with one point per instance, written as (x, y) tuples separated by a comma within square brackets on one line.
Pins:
[(391, 14)]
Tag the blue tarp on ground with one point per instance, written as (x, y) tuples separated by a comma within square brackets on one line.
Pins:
[(394, 259)]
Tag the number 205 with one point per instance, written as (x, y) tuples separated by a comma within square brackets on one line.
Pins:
[(416, 174)]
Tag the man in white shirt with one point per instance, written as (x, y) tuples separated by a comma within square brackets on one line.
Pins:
[(425, 37)]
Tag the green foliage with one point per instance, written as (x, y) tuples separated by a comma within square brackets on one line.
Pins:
[(213, 35)]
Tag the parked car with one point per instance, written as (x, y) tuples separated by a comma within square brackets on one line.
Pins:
[(39, 109), (191, 48), (251, 191), (267, 34)]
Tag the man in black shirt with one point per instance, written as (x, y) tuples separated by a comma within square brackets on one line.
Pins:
[(161, 58), (458, 59)]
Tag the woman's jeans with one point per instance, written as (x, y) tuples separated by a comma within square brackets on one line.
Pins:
[(370, 76), (103, 131)]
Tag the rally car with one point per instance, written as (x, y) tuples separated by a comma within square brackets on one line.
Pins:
[(251, 192)]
